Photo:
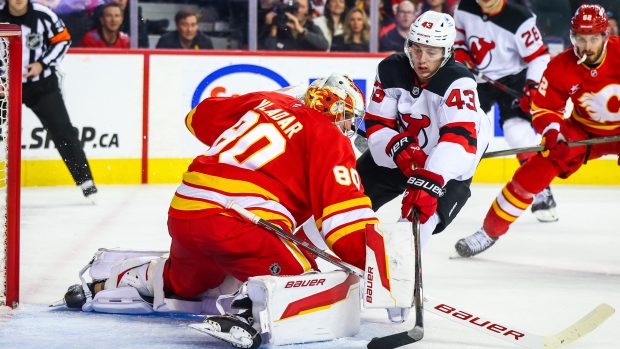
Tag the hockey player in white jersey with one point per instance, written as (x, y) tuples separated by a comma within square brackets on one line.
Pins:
[(500, 39), (426, 130)]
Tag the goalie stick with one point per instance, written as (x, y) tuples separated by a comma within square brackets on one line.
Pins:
[(468, 319), (598, 140), (417, 332)]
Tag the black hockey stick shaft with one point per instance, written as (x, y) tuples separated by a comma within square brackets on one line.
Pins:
[(254, 218), (598, 140), (417, 332), (497, 84)]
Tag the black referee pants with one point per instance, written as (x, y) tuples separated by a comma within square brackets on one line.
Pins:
[(43, 97), (382, 185)]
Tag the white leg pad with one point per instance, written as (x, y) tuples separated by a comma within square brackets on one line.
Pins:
[(389, 273), (121, 300), (107, 264), (105, 258), (305, 308)]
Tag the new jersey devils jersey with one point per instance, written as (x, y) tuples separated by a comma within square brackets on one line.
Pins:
[(443, 114), (594, 91), (276, 157), (503, 44)]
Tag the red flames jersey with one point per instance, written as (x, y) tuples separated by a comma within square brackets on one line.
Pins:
[(594, 91), (276, 157)]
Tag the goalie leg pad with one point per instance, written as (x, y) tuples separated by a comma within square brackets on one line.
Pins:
[(389, 273), (305, 308)]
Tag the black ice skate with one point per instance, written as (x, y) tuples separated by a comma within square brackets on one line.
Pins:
[(232, 329), (474, 244), (88, 188), (543, 206), (75, 297)]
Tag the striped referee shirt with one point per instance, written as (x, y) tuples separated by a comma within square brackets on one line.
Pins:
[(45, 39)]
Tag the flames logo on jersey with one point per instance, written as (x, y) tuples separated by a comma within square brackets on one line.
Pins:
[(604, 105), (480, 50)]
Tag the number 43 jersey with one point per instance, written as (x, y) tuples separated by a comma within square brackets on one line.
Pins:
[(276, 157), (443, 114)]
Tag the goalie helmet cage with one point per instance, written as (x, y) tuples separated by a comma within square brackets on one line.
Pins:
[(10, 157)]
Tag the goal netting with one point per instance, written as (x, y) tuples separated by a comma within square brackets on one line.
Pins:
[(10, 147)]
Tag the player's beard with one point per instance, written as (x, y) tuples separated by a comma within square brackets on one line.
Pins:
[(592, 58)]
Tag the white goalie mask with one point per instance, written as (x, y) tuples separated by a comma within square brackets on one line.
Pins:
[(434, 29), (339, 98)]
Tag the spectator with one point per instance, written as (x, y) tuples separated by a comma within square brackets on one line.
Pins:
[(293, 30), (331, 23), (187, 35), (109, 34), (613, 24), (394, 40), (356, 33), (47, 43), (434, 5), (143, 39)]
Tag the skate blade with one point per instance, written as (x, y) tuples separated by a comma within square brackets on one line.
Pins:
[(58, 303), (456, 255), (213, 331)]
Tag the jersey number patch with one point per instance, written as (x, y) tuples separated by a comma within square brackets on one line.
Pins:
[(531, 36), (250, 149), (469, 99)]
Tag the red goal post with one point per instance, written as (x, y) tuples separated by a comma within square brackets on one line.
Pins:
[(10, 158)]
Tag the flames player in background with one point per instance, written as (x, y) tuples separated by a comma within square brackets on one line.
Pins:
[(587, 74), (426, 130), (500, 39), (280, 157)]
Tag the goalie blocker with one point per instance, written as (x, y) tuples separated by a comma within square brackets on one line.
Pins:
[(285, 309)]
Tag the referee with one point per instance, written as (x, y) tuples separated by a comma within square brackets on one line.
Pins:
[(45, 43)]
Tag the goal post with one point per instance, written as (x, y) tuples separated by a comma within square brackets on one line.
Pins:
[(10, 158)]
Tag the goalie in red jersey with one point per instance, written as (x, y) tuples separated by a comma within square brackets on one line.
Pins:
[(587, 73), (279, 156)]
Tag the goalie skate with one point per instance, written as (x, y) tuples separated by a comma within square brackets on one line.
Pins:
[(474, 244), (232, 329), (544, 205)]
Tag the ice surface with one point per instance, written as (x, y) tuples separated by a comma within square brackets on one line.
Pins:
[(539, 277)]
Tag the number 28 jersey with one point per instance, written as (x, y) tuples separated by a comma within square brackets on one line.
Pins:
[(443, 114), (276, 157)]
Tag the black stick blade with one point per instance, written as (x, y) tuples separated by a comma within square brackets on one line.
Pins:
[(398, 339)]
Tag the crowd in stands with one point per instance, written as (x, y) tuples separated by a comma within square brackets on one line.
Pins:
[(307, 25)]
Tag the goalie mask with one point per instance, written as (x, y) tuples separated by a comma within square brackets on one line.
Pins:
[(433, 29), (339, 98)]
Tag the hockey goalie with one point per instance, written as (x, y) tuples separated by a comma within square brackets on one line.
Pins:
[(278, 155)]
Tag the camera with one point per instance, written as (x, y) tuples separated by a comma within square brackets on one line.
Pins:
[(285, 6)]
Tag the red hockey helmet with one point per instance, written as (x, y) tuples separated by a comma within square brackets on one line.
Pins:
[(589, 19)]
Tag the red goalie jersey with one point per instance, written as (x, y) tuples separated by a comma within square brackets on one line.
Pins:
[(277, 158), (594, 91)]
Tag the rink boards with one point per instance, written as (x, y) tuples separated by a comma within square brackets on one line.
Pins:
[(129, 108)]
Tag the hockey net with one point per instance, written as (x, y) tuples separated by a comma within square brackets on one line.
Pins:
[(10, 148)]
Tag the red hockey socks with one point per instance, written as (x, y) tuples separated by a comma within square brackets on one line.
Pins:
[(506, 208)]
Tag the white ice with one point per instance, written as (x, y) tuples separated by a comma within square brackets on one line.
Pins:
[(539, 277)]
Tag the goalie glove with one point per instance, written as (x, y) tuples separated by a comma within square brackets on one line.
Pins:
[(423, 189), (529, 92), (406, 153)]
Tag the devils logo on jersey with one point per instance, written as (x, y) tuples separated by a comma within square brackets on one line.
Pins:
[(415, 126), (481, 51)]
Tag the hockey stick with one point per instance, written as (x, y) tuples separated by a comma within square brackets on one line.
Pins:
[(508, 333), (598, 140), (496, 84), (254, 218), (417, 332), (525, 339)]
